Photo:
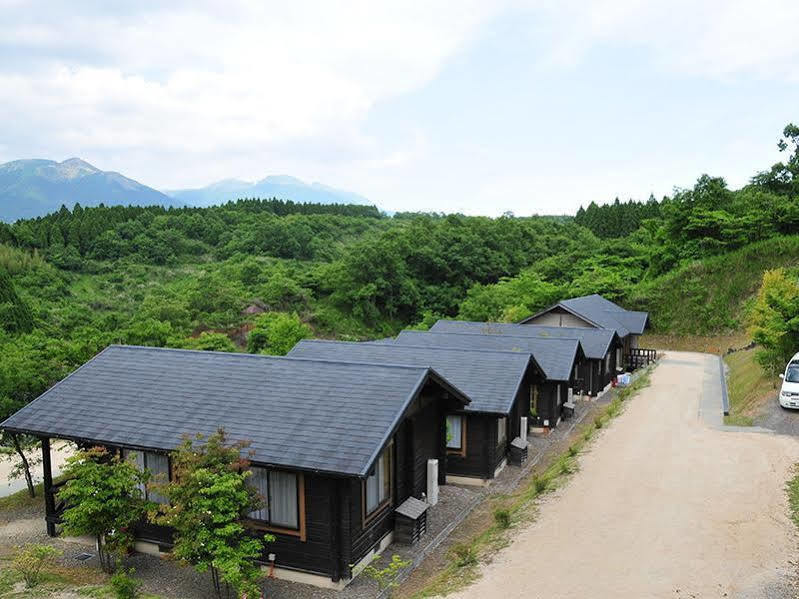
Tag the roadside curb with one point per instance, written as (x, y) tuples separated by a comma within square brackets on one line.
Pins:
[(725, 400)]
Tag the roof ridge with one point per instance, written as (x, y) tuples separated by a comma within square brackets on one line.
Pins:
[(268, 357), (506, 336)]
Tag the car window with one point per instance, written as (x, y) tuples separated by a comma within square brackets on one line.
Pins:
[(792, 374)]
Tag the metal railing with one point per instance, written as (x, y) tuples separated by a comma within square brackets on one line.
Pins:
[(639, 357)]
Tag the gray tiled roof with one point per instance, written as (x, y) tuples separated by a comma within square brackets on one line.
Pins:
[(556, 357), (491, 379), (595, 342), (306, 414)]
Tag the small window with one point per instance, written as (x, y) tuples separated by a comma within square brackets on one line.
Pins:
[(279, 495), (502, 430), (455, 432), (157, 464), (377, 487)]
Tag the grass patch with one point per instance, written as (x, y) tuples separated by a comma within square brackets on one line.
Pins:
[(22, 499), (748, 387), (461, 568), (792, 487)]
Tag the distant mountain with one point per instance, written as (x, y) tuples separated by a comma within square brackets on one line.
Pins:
[(282, 187), (31, 188)]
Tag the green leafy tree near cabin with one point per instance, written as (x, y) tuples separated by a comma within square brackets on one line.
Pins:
[(276, 333), (209, 502)]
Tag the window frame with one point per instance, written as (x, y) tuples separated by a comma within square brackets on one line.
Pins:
[(267, 526), (368, 516), (458, 451), (502, 425)]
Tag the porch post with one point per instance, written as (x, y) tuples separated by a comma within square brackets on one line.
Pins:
[(49, 500)]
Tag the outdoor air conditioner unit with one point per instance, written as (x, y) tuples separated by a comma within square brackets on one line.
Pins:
[(432, 482)]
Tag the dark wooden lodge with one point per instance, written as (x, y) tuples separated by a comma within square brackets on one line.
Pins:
[(499, 384), (594, 311), (336, 446), (559, 360)]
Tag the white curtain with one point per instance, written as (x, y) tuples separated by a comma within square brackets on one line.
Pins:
[(158, 465), (260, 481), (454, 432), (283, 499), (138, 459)]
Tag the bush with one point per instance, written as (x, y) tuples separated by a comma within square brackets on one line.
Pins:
[(464, 555), (598, 423), (124, 586), (540, 484), (502, 518), (572, 451), (31, 559)]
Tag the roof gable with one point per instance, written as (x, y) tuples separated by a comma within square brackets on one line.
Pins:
[(297, 413)]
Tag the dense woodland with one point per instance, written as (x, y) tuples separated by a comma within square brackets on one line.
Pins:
[(257, 275)]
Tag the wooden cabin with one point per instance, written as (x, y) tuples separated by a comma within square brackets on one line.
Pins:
[(336, 447), (601, 347), (559, 360), (594, 311), (497, 382)]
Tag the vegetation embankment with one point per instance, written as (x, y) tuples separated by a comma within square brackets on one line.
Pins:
[(749, 387), (519, 507)]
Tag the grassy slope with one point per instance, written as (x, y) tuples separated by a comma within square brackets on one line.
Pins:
[(710, 296), (748, 387)]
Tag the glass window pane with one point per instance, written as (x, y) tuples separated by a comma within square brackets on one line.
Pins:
[(138, 459), (454, 432), (372, 495), (260, 482), (385, 475), (283, 499), (158, 465), (502, 429)]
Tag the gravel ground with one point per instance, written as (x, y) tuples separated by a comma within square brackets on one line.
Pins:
[(781, 420)]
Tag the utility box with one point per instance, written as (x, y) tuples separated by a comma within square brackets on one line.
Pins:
[(410, 521), (518, 451), (432, 482)]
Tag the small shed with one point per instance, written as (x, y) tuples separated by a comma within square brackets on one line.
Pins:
[(410, 521)]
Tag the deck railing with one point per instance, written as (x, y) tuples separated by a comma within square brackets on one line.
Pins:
[(640, 356)]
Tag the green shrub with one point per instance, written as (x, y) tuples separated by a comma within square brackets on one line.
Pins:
[(598, 423), (465, 555), (502, 518), (572, 451), (124, 586), (30, 560), (565, 467), (540, 484)]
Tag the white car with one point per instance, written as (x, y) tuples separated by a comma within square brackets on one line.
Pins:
[(789, 392)]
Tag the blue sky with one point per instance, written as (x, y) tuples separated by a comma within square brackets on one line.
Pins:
[(477, 107)]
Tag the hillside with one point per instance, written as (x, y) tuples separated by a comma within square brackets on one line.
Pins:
[(711, 296), (31, 188), (276, 186)]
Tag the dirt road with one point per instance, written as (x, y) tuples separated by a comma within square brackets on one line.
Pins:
[(664, 505)]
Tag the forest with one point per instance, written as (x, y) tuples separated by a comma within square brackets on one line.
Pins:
[(258, 275)]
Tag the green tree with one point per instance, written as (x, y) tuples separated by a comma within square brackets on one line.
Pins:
[(15, 315), (276, 333), (209, 341), (104, 499), (209, 501), (774, 320)]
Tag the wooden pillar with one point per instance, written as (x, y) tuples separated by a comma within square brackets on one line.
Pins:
[(49, 499)]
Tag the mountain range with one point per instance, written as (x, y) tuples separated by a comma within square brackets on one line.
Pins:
[(31, 188)]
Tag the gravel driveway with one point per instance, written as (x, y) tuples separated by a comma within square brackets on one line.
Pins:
[(663, 506)]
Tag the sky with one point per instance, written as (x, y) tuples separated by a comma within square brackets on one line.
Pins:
[(473, 107)]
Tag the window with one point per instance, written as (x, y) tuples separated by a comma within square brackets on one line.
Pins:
[(279, 493), (377, 487), (792, 374), (502, 430), (534, 400), (157, 464), (456, 429)]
